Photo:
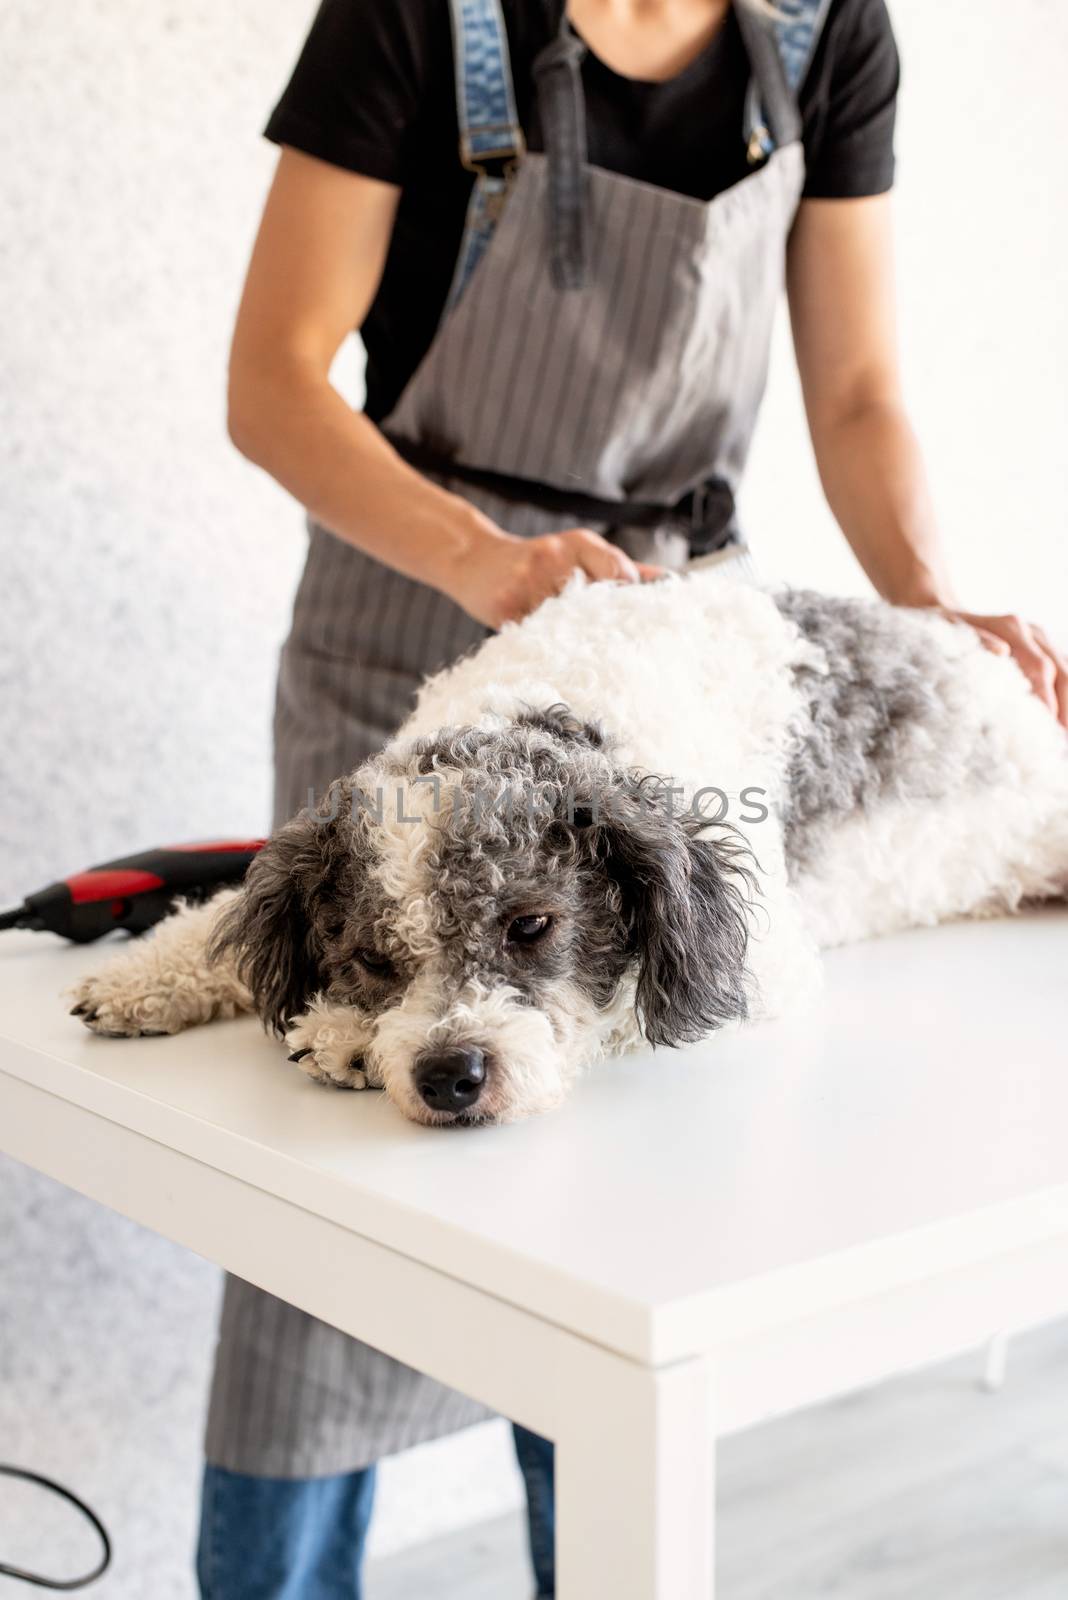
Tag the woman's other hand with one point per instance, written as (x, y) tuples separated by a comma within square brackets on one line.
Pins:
[(1042, 664)]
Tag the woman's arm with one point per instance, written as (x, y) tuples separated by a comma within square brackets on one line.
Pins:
[(315, 269), (841, 289)]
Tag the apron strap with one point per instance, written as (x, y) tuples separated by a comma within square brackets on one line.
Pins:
[(780, 45), (491, 139), (558, 78)]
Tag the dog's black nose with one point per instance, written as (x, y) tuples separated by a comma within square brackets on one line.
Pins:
[(451, 1080)]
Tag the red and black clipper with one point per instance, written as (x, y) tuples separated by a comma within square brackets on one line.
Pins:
[(134, 892)]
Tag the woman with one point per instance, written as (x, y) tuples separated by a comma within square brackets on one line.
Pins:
[(563, 238)]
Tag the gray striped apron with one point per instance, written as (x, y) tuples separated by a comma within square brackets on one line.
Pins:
[(605, 340)]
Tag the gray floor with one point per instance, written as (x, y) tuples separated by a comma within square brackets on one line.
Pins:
[(927, 1487)]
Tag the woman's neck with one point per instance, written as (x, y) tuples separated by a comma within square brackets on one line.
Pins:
[(648, 39)]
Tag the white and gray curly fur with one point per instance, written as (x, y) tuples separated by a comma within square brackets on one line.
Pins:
[(633, 816)]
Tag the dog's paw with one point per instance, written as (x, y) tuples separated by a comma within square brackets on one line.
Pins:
[(118, 1007), (328, 1043)]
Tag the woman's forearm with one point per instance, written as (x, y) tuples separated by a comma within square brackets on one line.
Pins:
[(314, 273), (291, 422), (873, 475)]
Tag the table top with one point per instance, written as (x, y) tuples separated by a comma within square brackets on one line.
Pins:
[(914, 1120)]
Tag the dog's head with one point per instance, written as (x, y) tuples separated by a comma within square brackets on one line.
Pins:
[(496, 907)]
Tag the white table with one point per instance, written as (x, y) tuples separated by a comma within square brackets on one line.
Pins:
[(697, 1241)]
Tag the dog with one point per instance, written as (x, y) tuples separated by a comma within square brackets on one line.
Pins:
[(636, 815)]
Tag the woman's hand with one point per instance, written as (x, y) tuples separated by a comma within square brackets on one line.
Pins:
[(1042, 664), (501, 578)]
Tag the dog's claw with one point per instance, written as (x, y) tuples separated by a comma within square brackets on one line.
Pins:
[(298, 1055), (78, 1011)]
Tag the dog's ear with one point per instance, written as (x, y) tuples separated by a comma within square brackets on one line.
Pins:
[(685, 900), (273, 928)]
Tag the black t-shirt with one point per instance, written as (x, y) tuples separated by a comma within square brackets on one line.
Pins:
[(374, 91)]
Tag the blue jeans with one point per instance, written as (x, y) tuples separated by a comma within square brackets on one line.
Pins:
[(304, 1538)]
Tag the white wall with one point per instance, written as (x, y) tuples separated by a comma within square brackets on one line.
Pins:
[(146, 570)]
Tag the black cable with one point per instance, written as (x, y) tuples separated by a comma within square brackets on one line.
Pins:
[(12, 918), (86, 1511)]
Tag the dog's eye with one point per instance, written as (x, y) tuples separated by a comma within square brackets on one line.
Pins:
[(380, 966), (526, 930)]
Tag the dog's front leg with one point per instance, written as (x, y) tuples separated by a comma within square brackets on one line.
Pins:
[(164, 982)]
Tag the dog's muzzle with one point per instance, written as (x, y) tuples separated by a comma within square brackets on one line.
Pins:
[(451, 1080)]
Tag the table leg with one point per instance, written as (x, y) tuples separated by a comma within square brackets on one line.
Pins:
[(635, 1486), (997, 1355)]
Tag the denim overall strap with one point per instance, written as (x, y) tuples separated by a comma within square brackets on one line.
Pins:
[(491, 140), (789, 33), (558, 78)]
